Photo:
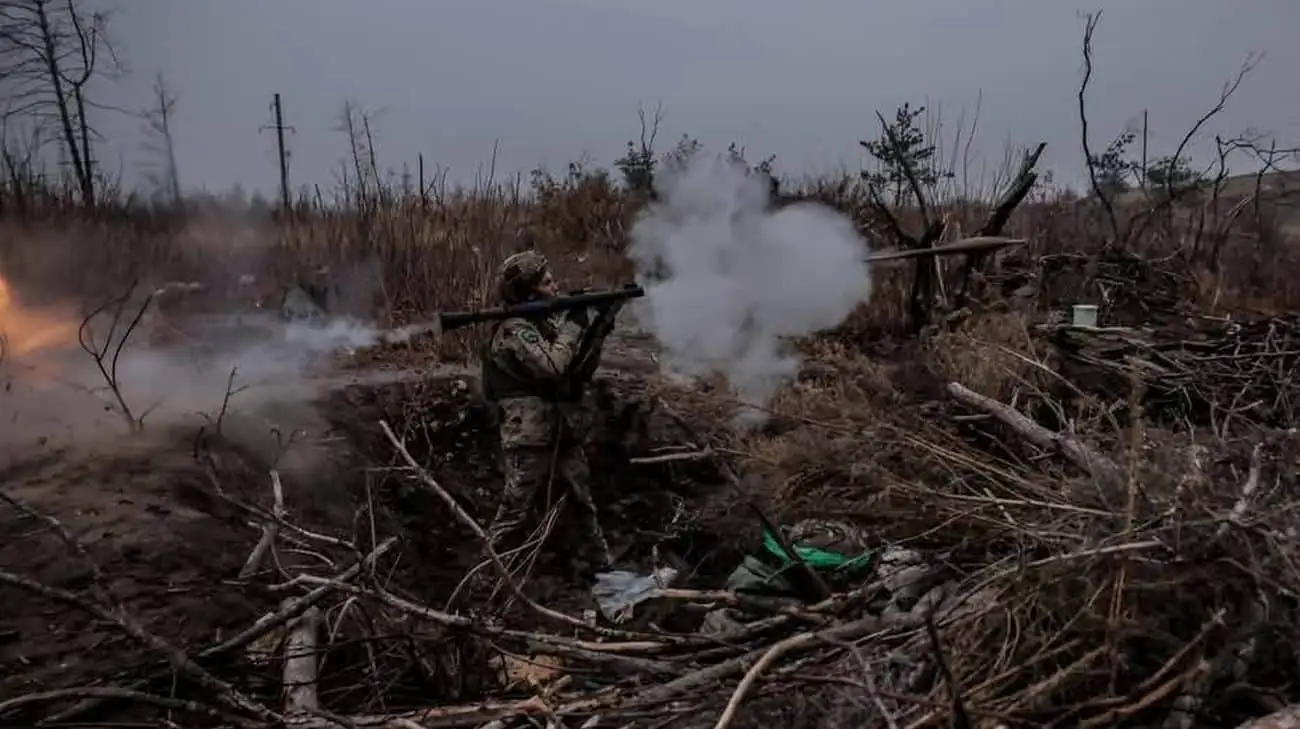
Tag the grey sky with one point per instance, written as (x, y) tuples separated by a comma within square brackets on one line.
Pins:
[(556, 79)]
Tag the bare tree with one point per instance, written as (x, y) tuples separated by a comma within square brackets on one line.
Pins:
[(50, 53), (160, 142), (354, 121), (1174, 177), (638, 163), (1095, 180), (928, 295)]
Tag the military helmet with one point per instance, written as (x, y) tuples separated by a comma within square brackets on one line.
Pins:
[(525, 239), (520, 275)]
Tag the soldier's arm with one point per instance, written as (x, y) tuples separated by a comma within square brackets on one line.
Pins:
[(603, 325), (538, 356)]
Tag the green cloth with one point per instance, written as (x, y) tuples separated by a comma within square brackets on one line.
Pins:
[(815, 557), (755, 575)]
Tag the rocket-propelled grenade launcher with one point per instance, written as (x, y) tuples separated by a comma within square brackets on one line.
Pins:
[(539, 309)]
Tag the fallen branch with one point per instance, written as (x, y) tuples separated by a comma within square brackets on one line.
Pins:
[(183, 664), (1226, 372), (269, 530), (294, 607), (606, 655), (1087, 460), (262, 515), (300, 665), (769, 657), (978, 244), (673, 457), (1248, 490), (848, 631), (61, 531), (960, 717), (290, 610), (110, 692), (440, 717)]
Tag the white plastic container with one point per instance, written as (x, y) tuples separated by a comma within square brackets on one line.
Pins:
[(1084, 315)]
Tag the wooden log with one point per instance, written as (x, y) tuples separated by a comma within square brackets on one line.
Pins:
[(1086, 459), (269, 530), (965, 246), (300, 664)]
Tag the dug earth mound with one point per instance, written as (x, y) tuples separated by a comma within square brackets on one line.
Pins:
[(119, 534)]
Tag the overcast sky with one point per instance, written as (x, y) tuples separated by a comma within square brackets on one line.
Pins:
[(553, 80)]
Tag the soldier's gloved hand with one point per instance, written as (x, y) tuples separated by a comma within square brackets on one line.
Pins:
[(609, 312), (579, 315), (570, 330)]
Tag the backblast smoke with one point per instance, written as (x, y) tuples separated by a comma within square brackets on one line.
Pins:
[(729, 280)]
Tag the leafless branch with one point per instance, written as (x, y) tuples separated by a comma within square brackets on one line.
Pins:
[(1090, 26), (107, 355), (228, 694)]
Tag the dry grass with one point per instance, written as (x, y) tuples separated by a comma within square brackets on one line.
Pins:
[(1087, 605)]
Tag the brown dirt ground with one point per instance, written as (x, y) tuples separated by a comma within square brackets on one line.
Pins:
[(162, 544), (170, 550)]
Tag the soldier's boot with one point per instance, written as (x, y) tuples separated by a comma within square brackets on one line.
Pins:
[(594, 556), (504, 535)]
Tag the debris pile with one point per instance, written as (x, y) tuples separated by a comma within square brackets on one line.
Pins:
[(1207, 371)]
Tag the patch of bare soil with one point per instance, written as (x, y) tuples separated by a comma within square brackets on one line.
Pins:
[(144, 514), (166, 519), (169, 518)]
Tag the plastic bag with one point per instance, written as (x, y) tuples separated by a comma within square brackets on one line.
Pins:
[(618, 593)]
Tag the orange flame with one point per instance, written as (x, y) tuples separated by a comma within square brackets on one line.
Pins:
[(26, 330)]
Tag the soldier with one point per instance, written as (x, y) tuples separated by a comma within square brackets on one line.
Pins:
[(524, 372)]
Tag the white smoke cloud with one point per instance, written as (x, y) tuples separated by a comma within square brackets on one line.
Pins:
[(60, 394), (728, 280), (176, 365)]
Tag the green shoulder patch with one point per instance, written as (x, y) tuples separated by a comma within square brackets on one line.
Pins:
[(529, 335)]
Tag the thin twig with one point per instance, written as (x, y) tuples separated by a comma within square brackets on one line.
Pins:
[(225, 692), (111, 692), (464, 518)]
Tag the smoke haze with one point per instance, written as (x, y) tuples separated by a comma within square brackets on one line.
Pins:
[(58, 396), (728, 280)]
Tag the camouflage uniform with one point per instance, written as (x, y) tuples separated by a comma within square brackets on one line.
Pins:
[(523, 367)]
